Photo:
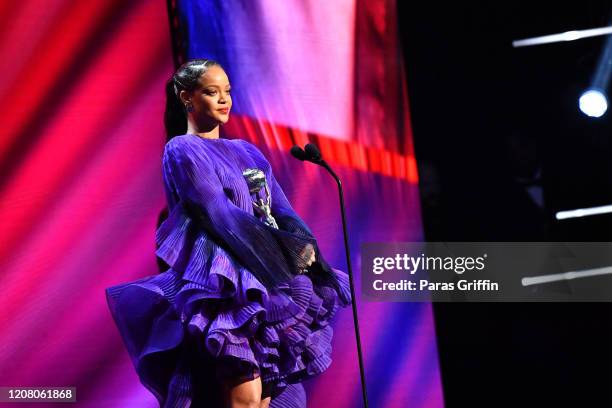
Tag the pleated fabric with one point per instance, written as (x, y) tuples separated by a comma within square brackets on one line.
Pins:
[(233, 305)]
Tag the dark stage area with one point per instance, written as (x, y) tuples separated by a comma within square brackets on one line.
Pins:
[(502, 147)]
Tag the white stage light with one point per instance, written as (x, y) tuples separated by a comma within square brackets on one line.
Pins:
[(593, 103)]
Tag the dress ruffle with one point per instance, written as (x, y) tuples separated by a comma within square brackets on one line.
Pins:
[(206, 298)]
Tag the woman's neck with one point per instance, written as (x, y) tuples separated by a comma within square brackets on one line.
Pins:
[(205, 133)]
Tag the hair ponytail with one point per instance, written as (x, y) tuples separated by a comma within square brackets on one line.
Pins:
[(175, 120)]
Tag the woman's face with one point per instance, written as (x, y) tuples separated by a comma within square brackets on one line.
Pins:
[(211, 100)]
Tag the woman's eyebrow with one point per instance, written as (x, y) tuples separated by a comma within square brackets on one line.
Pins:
[(216, 86)]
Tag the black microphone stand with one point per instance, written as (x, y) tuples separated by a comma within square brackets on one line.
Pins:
[(313, 155)]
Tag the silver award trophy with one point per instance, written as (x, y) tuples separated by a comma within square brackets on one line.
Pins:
[(256, 180)]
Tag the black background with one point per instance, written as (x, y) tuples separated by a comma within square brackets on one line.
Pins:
[(483, 113)]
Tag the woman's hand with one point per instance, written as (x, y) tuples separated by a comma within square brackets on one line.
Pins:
[(308, 254)]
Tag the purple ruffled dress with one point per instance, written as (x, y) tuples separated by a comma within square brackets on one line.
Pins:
[(236, 302)]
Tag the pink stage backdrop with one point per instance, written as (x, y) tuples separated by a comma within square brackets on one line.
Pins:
[(81, 189)]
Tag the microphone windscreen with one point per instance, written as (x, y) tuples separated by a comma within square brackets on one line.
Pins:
[(313, 151), (298, 153)]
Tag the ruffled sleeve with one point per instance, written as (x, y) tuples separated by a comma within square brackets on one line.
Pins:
[(273, 256), (288, 220)]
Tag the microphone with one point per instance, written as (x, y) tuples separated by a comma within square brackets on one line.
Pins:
[(310, 153), (299, 153), (313, 152)]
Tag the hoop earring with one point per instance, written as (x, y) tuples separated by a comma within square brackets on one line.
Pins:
[(189, 107)]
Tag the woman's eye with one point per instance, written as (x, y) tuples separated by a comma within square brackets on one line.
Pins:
[(213, 92)]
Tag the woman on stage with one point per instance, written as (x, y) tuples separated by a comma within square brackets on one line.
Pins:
[(241, 316)]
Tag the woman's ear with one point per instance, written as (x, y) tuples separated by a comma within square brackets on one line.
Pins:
[(185, 97)]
